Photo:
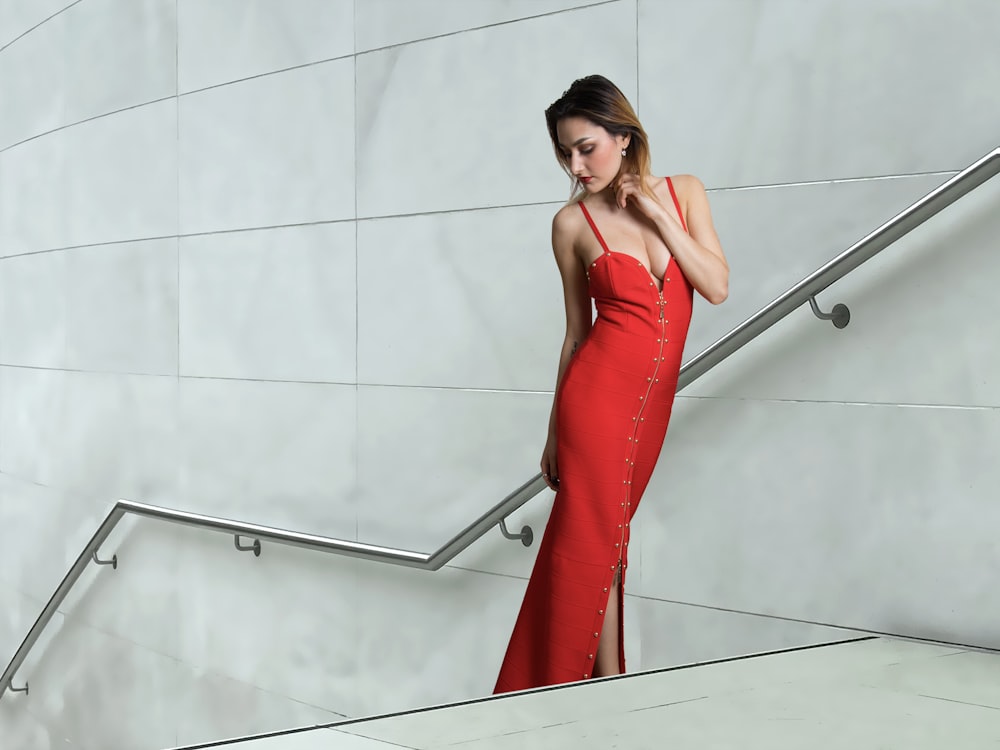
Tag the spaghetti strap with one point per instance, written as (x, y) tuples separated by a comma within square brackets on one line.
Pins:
[(594, 227), (677, 203)]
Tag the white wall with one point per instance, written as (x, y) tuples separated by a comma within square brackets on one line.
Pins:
[(288, 262)]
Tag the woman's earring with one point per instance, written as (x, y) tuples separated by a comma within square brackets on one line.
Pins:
[(623, 152)]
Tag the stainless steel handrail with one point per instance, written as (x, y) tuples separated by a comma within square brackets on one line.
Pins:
[(861, 251), (422, 560)]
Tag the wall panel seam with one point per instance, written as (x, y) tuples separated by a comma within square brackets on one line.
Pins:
[(496, 24), (37, 25)]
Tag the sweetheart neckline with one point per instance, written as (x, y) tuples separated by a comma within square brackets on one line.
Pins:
[(657, 282)]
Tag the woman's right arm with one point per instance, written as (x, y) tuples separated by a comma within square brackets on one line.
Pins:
[(576, 297)]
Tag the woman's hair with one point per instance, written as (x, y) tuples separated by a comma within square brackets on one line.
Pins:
[(598, 100)]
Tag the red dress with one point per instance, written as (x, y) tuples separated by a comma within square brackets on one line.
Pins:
[(613, 406)]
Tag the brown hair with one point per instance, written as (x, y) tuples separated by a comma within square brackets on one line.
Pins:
[(598, 100)]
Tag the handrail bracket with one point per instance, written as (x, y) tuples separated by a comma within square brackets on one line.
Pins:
[(840, 314), (113, 562), (255, 547), (11, 688), (526, 535)]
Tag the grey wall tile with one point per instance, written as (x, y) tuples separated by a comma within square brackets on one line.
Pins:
[(270, 304)]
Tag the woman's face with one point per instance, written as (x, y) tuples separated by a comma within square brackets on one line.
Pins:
[(593, 155)]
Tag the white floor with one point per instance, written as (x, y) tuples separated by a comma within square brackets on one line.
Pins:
[(876, 693)]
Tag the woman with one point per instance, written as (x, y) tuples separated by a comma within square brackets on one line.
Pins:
[(639, 245)]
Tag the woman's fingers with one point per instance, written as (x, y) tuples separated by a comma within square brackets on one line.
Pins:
[(548, 480), (625, 186), (620, 196), (550, 473), (552, 483)]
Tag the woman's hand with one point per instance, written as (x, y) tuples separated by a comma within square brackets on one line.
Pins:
[(550, 469), (628, 189)]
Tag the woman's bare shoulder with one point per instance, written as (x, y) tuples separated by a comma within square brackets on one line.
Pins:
[(567, 219), (566, 227), (687, 184)]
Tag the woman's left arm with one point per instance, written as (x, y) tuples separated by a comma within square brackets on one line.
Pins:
[(698, 251)]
